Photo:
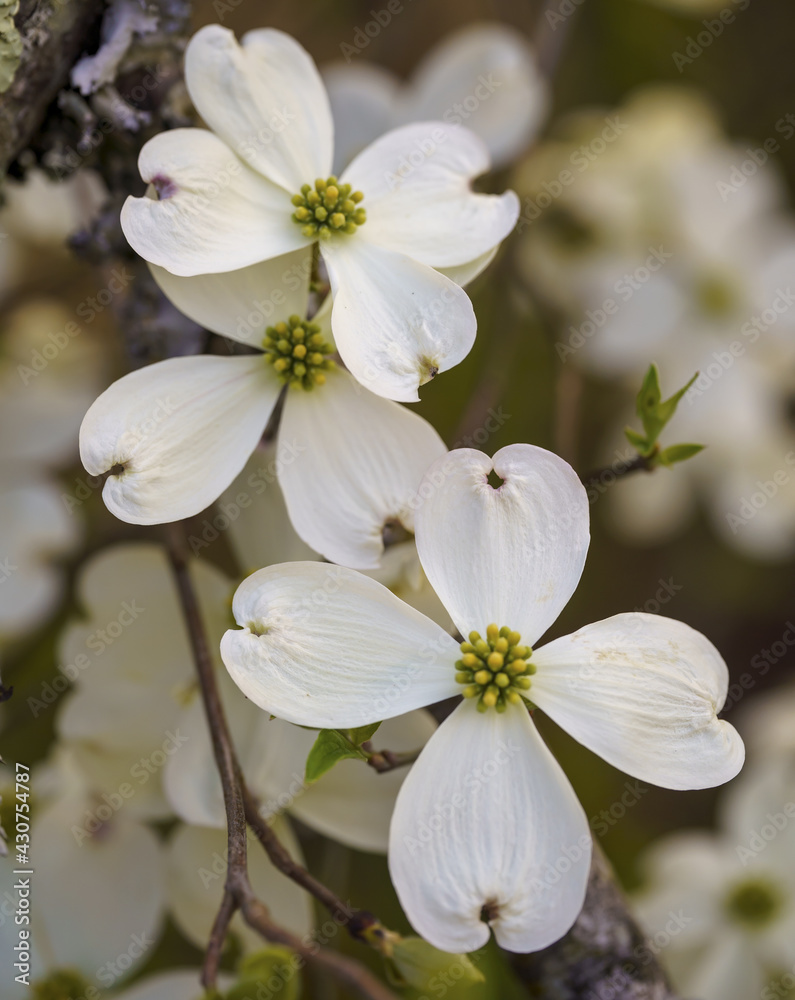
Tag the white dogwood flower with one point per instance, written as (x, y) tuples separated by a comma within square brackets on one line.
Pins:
[(486, 829), (733, 891), (175, 434), (257, 185), (98, 881), (483, 76)]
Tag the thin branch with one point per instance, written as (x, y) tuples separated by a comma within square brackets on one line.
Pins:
[(342, 968), (357, 922), (384, 761), (212, 956), (238, 893), (640, 463)]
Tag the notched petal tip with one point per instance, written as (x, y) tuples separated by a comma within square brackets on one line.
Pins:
[(428, 371), (164, 186)]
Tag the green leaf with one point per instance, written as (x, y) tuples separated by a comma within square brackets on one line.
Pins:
[(653, 412), (637, 440), (678, 453), (667, 409), (362, 734), (260, 971), (333, 745), (648, 400), (418, 963)]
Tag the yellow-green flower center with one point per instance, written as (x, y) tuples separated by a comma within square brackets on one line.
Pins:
[(298, 352), (62, 985), (715, 296), (754, 903), (328, 207), (495, 670)]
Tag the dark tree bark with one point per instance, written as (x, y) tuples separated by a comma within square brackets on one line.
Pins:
[(604, 956), (54, 34)]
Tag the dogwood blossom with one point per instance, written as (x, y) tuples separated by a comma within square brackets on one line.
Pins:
[(483, 76), (106, 869), (44, 390), (734, 893), (259, 186), (176, 433), (326, 646), (671, 243)]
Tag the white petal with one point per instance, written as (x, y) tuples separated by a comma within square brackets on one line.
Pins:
[(260, 532), (396, 322), (463, 274), (512, 556), (484, 76), (265, 99), (416, 185), (35, 527), (486, 816), (401, 571), (362, 98), (689, 873), (359, 460), (175, 985), (116, 874), (241, 304), (644, 693), (728, 970), (324, 646), (213, 214), (196, 868), (182, 429), (351, 803)]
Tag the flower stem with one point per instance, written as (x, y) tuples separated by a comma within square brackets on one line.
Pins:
[(241, 807)]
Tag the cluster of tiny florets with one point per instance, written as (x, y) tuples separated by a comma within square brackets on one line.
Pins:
[(495, 670), (298, 352), (329, 207)]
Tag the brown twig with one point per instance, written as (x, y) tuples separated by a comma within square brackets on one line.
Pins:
[(384, 761), (238, 894), (641, 463)]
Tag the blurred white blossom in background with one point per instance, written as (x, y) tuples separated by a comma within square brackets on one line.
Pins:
[(655, 238)]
